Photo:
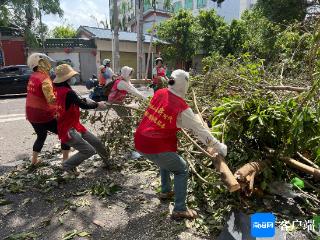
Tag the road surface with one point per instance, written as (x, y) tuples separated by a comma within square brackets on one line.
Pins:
[(16, 133)]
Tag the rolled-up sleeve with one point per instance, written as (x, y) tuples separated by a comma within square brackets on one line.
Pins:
[(47, 90), (187, 119)]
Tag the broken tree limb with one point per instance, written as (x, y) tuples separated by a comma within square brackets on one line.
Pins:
[(246, 174), (308, 161), (285, 88), (302, 167), (220, 165), (249, 168), (218, 161)]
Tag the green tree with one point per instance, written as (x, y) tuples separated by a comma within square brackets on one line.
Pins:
[(64, 32), (252, 33), (284, 10), (180, 32), (25, 14), (213, 31)]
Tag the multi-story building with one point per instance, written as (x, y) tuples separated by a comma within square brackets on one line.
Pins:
[(127, 20), (229, 9)]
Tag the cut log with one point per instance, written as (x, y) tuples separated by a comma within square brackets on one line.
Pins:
[(246, 174), (249, 168), (302, 167)]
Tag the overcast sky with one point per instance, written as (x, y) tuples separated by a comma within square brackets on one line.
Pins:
[(78, 12)]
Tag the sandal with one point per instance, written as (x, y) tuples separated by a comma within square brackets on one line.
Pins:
[(166, 196), (39, 162), (189, 214)]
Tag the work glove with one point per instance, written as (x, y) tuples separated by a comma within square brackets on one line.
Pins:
[(219, 148)]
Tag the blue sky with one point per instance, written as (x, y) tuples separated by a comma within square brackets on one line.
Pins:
[(78, 12)]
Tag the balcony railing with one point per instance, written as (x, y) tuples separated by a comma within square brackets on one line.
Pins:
[(69, 43)]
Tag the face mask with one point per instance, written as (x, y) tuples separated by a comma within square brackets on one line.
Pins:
[(72, 81)]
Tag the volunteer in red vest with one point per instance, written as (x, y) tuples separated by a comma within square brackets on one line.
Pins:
[(70, 130), (158, 75), (40, 103), (121, 87), (156, 139), (105, 72)]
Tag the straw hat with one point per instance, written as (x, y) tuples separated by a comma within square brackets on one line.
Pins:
[(63, 73)]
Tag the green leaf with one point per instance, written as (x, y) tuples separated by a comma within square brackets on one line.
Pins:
[(83, 234), (70, 235)]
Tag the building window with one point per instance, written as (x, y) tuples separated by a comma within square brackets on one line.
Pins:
[(147, 5), (188, 4), (201, 3), (177, 6), (219, 5)]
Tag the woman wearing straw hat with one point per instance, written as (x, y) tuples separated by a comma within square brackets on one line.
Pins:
[(70, 130), (40, 104)]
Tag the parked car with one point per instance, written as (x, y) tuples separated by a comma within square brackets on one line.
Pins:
[(14, 79)]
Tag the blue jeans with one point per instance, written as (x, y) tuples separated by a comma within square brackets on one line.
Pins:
[(171, 162)]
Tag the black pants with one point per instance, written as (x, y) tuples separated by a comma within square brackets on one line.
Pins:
[(41, 130)]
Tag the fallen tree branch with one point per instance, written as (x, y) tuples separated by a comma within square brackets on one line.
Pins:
[(218, 161), (285, 88), (246, 174), (308, 161), (302, 167), (298, 165), (220, 165)]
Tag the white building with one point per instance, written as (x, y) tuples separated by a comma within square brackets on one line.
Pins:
[(127, 19), (229, 9)]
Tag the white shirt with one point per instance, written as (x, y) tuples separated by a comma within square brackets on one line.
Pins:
[(128, 87), (109, 73), (187, 119)]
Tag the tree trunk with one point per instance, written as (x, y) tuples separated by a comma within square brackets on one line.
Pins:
[(139, 19), (116, 54)]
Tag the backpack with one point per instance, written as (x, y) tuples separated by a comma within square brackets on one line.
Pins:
[(108, 87)]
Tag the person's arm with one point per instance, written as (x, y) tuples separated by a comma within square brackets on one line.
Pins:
[(73, 98), (47, 90), (122, 85), (187, 119), (154, 73)]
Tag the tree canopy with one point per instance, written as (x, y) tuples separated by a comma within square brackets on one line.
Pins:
[(25, 15), (180, 31), (64, 32)]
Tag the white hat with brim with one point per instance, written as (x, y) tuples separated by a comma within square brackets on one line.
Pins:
[(63, 73)]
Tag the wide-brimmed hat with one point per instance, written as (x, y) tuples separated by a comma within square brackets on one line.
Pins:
[(63, 73)]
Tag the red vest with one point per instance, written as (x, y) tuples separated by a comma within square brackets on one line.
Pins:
[(116, 95), (37, 108), (157, 131), (161, 72), (67, 119)]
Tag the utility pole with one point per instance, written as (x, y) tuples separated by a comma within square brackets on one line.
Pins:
[(116, 54), (139, 19), (41, 28), (151, 39)]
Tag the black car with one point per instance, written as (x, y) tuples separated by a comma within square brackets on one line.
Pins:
[(14, 79)]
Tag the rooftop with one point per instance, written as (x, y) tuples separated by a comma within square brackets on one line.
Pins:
[(102, 33)]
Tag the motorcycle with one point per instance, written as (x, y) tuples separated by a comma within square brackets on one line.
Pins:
[(97, 93)]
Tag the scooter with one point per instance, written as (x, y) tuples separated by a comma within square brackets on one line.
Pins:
[(97, 93)]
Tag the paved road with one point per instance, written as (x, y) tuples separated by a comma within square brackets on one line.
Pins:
[(16, 133)]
